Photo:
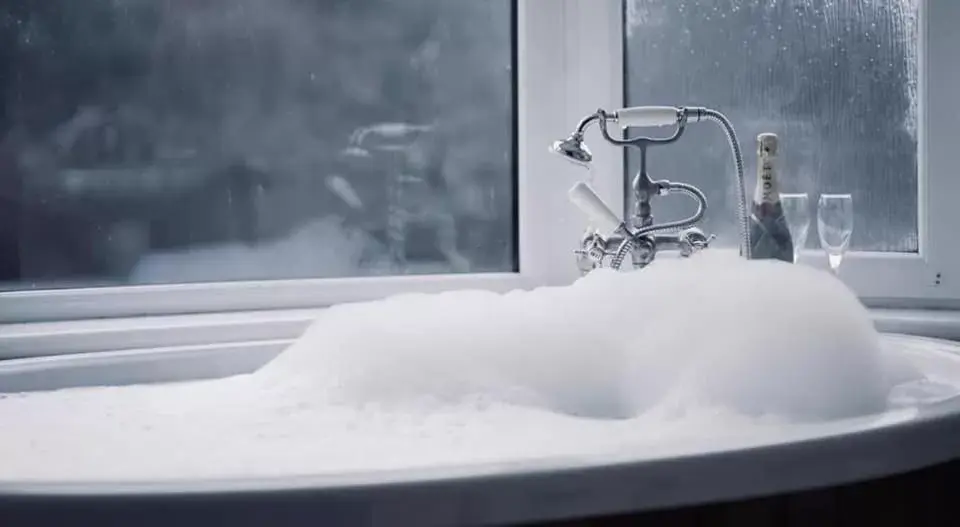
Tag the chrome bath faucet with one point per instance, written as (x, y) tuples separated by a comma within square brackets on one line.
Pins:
[(639, 237)]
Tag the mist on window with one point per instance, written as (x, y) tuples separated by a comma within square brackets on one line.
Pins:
[(361, 137)]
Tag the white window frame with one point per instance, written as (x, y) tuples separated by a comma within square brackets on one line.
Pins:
[(570, 59)]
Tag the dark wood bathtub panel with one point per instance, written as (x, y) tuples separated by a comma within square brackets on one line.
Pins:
[(673, 518), (692, 517), (928, 497), (940, 495), (932, 495), (762, 511), (818, 507), (869, 502)]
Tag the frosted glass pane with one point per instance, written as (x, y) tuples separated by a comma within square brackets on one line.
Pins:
[(159, 141), (837, 80)]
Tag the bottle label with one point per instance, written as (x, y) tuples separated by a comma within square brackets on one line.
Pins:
[(769, 233), (767, 191)]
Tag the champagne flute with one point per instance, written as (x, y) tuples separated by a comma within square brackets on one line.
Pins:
[(835, 225), (796, 208)]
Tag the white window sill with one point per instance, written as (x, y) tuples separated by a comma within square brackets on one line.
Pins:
[(37, 339), (943, 324), (278, 328)]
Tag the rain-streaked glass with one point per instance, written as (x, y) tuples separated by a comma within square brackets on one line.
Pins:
[(836, 80), (144, 141)]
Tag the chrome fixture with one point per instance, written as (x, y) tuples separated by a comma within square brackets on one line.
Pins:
[(641, 238)]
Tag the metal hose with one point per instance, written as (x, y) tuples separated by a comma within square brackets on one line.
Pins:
[(621, 254), (681, 188), (724, 123), (670, 226)]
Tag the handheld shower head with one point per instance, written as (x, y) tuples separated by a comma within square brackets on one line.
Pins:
[(573, 149)]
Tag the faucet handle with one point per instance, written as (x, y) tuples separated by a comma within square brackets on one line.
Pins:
[(591, 252), (693, 239), (594, 208)]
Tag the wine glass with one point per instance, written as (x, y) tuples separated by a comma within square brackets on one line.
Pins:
[(796, 209), (835, 225)]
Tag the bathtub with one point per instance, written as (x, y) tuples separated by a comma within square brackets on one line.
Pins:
[(899, 468)]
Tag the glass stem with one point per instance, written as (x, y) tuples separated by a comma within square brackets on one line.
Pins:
[(834, 260)]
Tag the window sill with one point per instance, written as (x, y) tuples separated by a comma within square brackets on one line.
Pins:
[(278, 328), (39, 339), (944, 324)]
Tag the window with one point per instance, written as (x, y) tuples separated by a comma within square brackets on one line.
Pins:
[(147, 142), (859, 91), (837, 81)]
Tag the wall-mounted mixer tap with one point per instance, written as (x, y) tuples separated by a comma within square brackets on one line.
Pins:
[(640, 237), (614, 240)]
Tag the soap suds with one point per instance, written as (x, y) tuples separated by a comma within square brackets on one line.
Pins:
[(760, 337), (674, 356)]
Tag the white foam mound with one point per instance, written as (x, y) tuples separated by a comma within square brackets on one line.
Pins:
[(756, 337)]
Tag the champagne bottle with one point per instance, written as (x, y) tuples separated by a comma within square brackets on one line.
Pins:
[(769, 234)]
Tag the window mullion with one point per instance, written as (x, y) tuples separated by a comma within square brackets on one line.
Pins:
[(572, 53), (939, 135)]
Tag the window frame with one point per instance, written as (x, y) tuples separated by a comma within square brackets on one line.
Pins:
[(569, 63)]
